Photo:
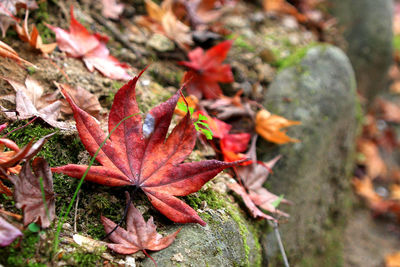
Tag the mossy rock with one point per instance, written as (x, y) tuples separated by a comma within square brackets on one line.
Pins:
[(320, 92), (368, 31), (228, 239)]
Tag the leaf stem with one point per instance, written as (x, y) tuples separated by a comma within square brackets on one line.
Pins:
[(151, 258), (19, 128), (65, 214)]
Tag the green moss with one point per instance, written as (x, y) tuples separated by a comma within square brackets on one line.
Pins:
[(59, 150), (54, 150), (81, 257), (41, 17), (22, 253), (214, 200), (396, 43), (116, 85), (292, 59), (244, 232), (241, 43)]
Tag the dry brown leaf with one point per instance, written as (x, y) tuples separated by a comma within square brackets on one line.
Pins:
[(83, 98), (281, 6), (33, 38), (161, 19), (8, 10), (395, 192), (364, 188), (374, 164), (140, 235), (7, 52), (30, 102), (390, 111), (269, 127), (28, 193)]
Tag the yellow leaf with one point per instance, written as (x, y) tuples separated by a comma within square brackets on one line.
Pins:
[(269, 127), (392, 260)]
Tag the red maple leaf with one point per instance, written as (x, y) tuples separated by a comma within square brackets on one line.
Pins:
[(78, 42), (139, 154), (232, 144), (206, 70), (140, 235)]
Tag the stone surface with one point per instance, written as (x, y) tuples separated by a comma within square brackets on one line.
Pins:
[(226, 240), (367, 28), (160, 43), (314, 174)]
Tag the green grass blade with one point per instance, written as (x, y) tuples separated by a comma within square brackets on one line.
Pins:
[(64, 216)]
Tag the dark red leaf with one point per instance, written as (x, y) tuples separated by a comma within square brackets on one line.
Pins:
[(140, 154)]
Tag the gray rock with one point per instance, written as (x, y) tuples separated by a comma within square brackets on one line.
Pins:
[(226, 240), (367, 28), (314, 174)]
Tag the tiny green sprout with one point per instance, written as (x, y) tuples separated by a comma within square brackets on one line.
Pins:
[(31, 70), (277, 201), (200, 125), (33, 227)]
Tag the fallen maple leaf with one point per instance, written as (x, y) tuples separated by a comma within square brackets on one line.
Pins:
[(138, 236), (282, 6), (139, 154), (9, 160), (201, 12), (78, 42), (8, 10), (374, 163), (83, 98), (7, 52), (161, 19), (255, 212), (30, 102), (253, 177), (206, 70), (8, 232), (227, 107), (28, 193), (3, 126), (232, 144), (33, 38), (269, 127), (390, 111), (111, 9)]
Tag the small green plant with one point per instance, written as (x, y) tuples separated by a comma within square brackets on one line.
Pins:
[(200, 124), (277, 201)]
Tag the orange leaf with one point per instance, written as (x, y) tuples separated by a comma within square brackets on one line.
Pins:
[(269, 127), (392, 260)]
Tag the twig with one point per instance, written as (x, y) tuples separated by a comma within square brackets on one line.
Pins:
[(15, 216), (280, 244), (76, 210), (115, 33)]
